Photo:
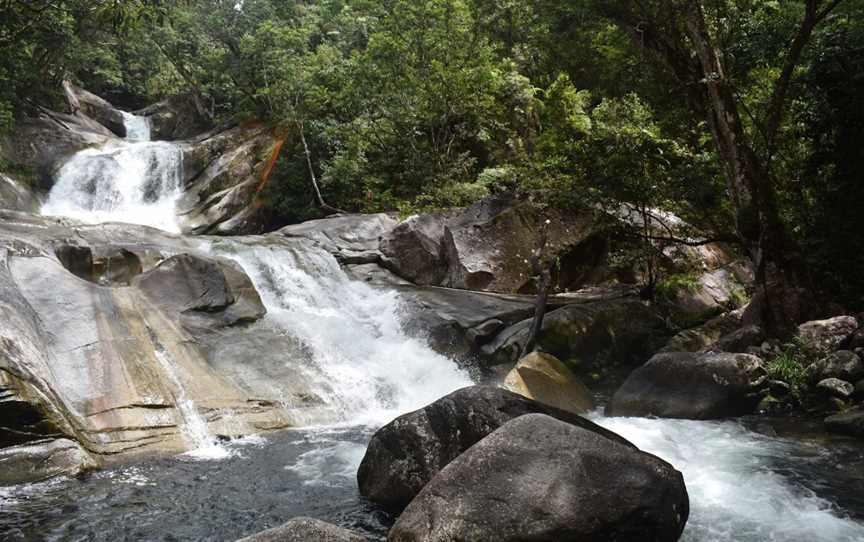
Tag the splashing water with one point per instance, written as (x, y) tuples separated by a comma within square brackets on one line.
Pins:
[(134, 181), (361, 360), (736, 492), (194, 427)]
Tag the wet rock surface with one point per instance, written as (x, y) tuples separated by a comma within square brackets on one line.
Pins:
[(695, 386), (409, 451), (41, 460), (538, 478)]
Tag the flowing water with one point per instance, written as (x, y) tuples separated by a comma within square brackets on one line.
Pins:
[(361, 361), (135, 180), (744, 486), (748, 487)]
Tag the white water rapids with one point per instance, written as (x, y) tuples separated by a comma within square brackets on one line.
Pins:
[(362, 364)]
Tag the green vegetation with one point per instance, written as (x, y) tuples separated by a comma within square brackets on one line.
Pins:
[(743, 117), (789, 366)]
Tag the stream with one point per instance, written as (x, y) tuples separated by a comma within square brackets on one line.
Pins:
[(745, 484)]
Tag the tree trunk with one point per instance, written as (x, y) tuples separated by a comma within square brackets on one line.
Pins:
[(776, 258), (319, 199), (540, 269)]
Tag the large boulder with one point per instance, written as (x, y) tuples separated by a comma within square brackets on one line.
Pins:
[(825, 336), (835, 387), (406, 453), (705, 335), (414, 249), (842, 364), (41, 460), (202, 291), (488, 246), (537, 478), (305, 530), (546, 379), (614, 326), (691, 385)]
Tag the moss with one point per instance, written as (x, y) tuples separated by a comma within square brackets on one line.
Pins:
[(670, 286)]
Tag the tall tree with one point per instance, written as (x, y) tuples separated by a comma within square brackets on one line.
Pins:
[(686, 38)]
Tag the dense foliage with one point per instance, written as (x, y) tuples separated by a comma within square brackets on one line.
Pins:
[(417, 104)]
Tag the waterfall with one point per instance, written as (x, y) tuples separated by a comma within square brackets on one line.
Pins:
[(194, 427), (134, 180), (137, 128), (360, 360)]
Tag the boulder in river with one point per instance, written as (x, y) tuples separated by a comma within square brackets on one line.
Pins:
[(546, 379), (406, 453), (211, 292), (305, 530), (540, 479), (690, 385)]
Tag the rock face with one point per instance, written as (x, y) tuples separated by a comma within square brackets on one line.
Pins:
[(825, 336), (38, 145), (177, 117), (224, 175), (690, 385), (16, 197), (95, 108), (546, 379), (484, 247), (37, 461), (406, 453), (541, 479), (305, 530), (105, 329)]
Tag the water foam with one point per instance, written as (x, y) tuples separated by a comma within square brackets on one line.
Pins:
[(736, 492)]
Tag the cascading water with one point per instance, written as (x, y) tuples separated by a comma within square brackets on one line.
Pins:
[(362, 363), (135, 181), (194, 426)]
